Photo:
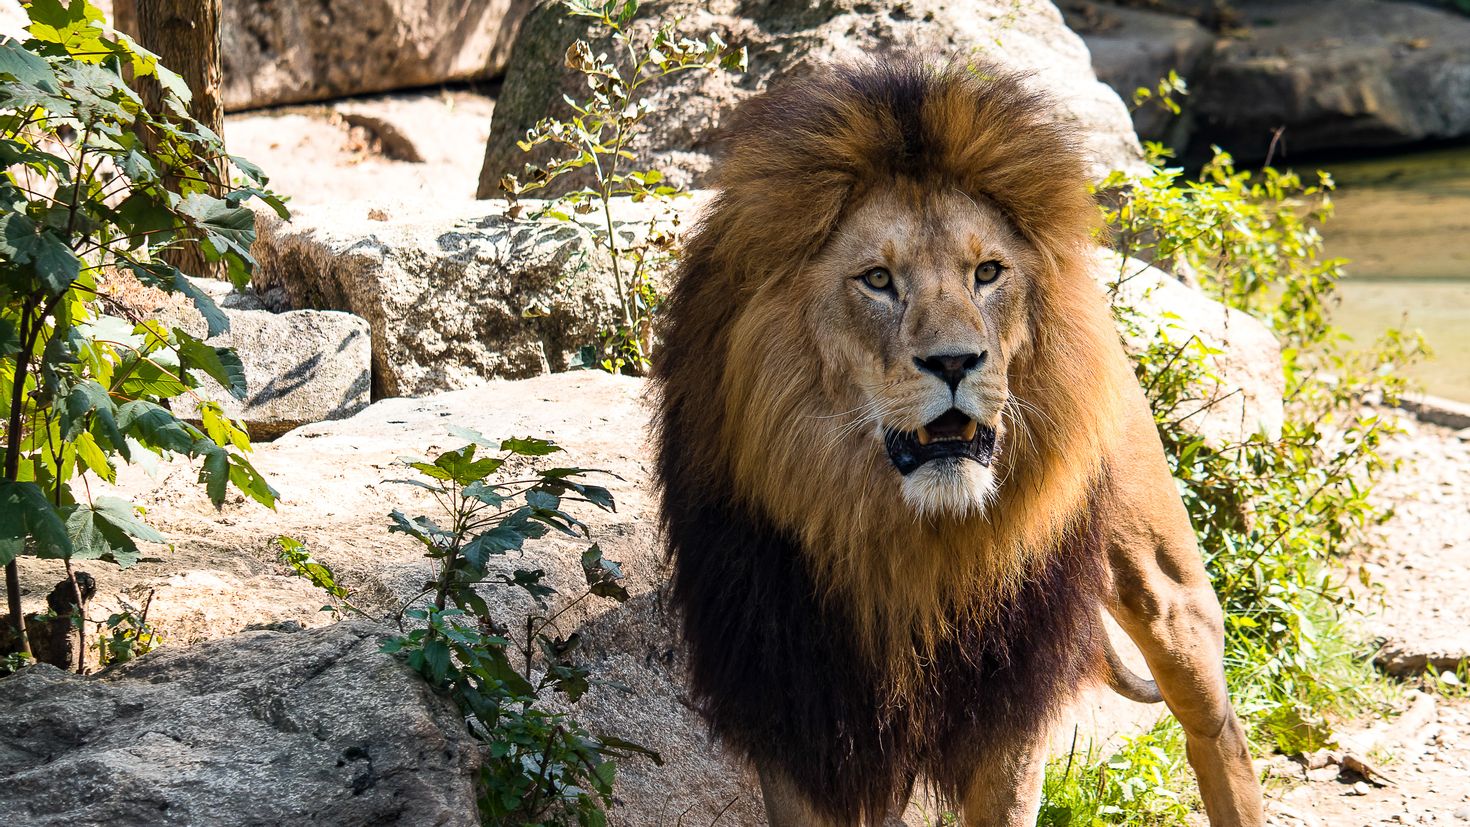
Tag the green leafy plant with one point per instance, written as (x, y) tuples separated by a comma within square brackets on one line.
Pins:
[(1164, 94), (84, 198), (126, 634), (544, 766), (1139, 784), (1274, 512), (597, 137), (294, 555)]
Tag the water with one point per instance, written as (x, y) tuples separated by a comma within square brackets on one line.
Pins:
[(1405, 224)]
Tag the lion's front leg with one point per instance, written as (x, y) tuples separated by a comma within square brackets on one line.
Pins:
[(785, 805), (1162, 597), (1006, 789)]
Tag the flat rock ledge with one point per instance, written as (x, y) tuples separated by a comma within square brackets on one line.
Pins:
[(1407, 659), (312, 727)]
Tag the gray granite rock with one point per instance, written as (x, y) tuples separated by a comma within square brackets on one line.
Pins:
[(313, 727), (786, 37)]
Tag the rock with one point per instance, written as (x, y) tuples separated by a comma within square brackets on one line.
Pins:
[(454, 294), (1407, 658), (1437, 410), (263, 728), (302, 366), (278, 53), (1248, 395), (1133, 48), (786, 37), (315, 155), (1363, 73)]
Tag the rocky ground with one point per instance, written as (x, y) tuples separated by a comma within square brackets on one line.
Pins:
[(384, 149), (1421, 567)]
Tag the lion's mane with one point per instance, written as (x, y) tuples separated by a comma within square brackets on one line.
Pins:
[(831, 635)]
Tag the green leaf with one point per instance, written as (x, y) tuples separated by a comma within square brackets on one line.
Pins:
[(244, 477), (26, 67), (529, 447), (25, 513), (603, 575), (436, 658), (253, 172), (214, 472), (403, 525), (121, 513), (154, 426), (107, 530), (91, 398), (24, 242), (92, 456), (220, 363), (227, 228)]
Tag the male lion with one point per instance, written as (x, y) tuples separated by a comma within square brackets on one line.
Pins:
[(905, 463)]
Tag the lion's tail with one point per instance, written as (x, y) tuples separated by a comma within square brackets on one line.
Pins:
[(1122, 680)]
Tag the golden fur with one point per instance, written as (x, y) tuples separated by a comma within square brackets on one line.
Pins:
[(788, 428), (855, 622)]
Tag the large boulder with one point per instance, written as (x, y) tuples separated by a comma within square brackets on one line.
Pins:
[(1351, 73), (788, 37), (1135, 48), (1242, 393), (263, 728), (287, 52), (301, 366), (453, 293)]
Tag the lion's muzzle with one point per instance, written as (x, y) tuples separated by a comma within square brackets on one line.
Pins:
[(953, 435)]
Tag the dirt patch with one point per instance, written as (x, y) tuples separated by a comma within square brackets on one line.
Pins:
[(1422, 561)]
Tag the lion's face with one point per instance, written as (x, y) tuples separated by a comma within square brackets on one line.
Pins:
[(921, 303)]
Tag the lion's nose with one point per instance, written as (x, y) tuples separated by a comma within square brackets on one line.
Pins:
[(951, 367)]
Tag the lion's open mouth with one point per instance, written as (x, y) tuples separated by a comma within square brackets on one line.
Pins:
[(953, 435)]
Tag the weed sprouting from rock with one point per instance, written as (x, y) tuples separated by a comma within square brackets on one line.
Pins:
[(596, 137), (513, 680)]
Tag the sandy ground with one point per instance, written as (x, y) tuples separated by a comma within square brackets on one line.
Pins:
[(1422, 564), (382, 149)]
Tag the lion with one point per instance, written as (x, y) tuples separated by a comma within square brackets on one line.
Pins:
[(904, 462)]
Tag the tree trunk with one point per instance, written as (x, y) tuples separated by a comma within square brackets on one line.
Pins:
[(185, 34), (125, 17)]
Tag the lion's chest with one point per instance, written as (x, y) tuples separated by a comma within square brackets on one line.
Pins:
[(780, 676)]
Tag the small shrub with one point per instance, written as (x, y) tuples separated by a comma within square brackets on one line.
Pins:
[(1138, 785), (596, 137), (544, 767), (126, 634), (83, 385)]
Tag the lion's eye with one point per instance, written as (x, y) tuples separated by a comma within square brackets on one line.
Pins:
[(988, 271), (878, 279)]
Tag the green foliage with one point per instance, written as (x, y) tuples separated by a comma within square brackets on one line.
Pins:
[(544, 766), (1273, 512), (1164, 95), (596, 138), (83, 196), (294, 555), (1138, 785), (127, 634)]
